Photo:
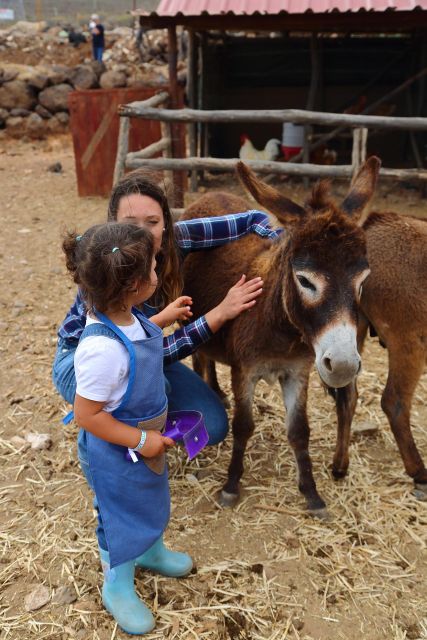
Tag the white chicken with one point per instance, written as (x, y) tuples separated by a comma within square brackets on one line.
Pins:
[(248, 152)]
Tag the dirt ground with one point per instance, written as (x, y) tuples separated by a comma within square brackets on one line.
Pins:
[(265, 570)]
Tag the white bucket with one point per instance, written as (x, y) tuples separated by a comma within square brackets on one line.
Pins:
[(292, 135)]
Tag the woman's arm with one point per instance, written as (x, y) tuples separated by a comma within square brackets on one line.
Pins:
[(75, 321), (206, 233)]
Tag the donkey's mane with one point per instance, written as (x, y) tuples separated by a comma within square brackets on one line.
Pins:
[(320, 197)]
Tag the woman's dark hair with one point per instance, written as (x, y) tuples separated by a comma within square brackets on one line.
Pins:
[(107, 260), (168, 263)]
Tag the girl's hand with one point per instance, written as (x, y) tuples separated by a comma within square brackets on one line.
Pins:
[(155, 444), (179, 309), (241, 297)]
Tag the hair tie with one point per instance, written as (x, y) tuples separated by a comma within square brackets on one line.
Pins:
[(78, 238), (114, 249)]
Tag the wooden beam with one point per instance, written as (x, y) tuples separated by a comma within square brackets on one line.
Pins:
[(358, 154), (122, 149), (191, 95), (220, 164), (284, 168), (360, 21), (178, 178), (311, 97), (151, 150), (298, 116), (154, 101)]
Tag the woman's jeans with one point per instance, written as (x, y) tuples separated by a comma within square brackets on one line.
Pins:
[(185, 390)]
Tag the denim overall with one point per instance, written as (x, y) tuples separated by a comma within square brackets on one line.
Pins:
[(133, 498)]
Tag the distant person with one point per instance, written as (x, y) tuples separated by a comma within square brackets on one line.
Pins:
[(97, 32)]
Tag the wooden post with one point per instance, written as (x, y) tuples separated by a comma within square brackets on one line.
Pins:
[(191, 95), (200, 92), (166, 133), (311, 98), (358, 153), (178, 178), (122, 149)]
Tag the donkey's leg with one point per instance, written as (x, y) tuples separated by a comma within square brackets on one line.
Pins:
[(243, 385), (406, 364), (199, 364), (345, 402), (206, 369), (294, 387), (212, 381)]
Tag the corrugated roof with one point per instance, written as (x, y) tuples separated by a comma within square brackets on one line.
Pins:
[(273, 7)]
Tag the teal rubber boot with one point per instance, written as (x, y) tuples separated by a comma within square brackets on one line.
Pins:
[(168, 563), (120, 599)]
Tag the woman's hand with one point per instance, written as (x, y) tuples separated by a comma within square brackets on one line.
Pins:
[(179, 309), (239, 298), (155, 444)]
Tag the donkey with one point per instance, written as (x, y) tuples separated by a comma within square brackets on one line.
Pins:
[(394, 306), (308, 311)]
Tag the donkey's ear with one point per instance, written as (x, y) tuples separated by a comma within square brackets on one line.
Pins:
[(362, 188), (285, 210)]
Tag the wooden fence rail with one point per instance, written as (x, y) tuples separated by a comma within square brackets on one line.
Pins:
[(265, 166), (297, 116), (358, 123)]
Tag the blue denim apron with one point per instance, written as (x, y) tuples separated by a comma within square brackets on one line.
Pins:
[(133, 498)]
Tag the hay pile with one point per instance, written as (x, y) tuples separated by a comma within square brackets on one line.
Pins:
[(265, 570)]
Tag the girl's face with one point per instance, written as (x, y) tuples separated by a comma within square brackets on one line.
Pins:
[(145, 290), (144, 212)]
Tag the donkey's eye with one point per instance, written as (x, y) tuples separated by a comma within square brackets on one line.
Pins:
[(304, 282)]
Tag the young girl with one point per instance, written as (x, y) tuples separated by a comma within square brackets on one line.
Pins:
[(120, 404), (139, 200)]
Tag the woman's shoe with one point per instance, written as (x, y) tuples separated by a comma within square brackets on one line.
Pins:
[(120, 599), (168, 563)]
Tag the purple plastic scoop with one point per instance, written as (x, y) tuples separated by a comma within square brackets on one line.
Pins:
[(189, 427), (186, 426)]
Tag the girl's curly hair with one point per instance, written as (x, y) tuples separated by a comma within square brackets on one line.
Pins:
[(107, 260)]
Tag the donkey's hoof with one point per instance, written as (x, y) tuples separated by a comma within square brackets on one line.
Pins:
[(226, 402), (320, 514), (420, 492), (338, 474), (226, 499)]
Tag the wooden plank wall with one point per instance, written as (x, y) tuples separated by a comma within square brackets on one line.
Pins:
[(95, 126)]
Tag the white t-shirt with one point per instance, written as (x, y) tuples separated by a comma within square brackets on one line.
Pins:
[(102, 365)]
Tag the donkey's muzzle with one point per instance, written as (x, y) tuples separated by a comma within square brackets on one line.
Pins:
[(337, 358)]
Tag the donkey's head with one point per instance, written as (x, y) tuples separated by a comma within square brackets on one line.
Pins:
[(322, 267)]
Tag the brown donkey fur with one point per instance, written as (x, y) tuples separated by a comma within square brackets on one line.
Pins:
[(394, 304), (308, 310)]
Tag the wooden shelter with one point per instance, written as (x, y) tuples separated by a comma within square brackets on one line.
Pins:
[(338, 56)]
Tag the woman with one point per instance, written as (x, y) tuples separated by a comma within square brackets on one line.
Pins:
[(139, 200)]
